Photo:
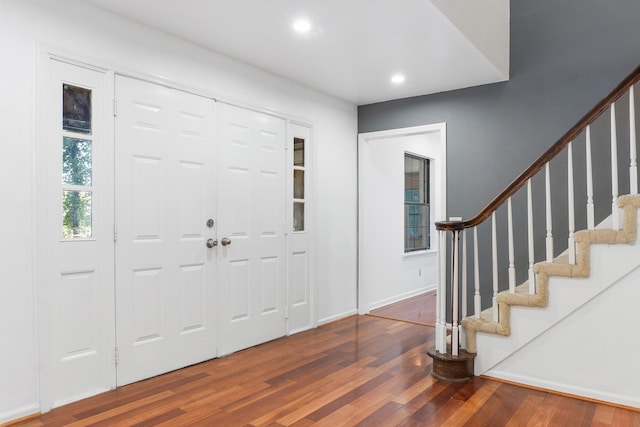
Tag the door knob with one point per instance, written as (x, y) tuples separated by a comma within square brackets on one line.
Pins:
[(212, 243), (225, 241)]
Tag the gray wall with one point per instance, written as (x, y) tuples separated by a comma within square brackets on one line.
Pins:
[(565, 56)]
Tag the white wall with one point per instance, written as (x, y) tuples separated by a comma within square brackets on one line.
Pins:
[(471, 18), (583, 343), (81, 31), (599, 346), (387, 274)]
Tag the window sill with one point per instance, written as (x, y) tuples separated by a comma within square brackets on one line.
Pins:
[(418, 253)]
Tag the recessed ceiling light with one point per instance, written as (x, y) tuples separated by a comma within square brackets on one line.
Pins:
[(302, 25), (397, 78)]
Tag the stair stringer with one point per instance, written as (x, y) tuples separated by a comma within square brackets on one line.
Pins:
[(561, 289), (590, 353)]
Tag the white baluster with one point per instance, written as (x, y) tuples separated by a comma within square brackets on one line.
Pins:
[(590, 210), (570, 200), (615, 212), (633, 166), (532, 276), (463, 291), (512, 264), (455, 256), (441, 300), (549, 239), (477, 306), (494, 260)]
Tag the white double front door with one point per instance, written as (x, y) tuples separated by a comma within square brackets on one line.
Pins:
[(164, 229), (200, 217)]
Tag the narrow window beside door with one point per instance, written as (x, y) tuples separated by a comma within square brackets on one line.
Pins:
[(77, 162), (416, 203), (298, 184)]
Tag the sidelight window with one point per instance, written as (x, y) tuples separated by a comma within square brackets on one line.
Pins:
[(299, 172), (77, 162), (416, 203)]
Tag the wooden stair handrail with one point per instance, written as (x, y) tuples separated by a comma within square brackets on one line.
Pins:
[(548, 155)]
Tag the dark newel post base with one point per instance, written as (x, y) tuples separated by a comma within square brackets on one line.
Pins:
[(455, 369)]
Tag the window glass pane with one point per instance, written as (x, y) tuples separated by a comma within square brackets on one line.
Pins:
[(425, 181), (416, 234), (421, 181), (76, 109), (414, 180), (298, 152), (408, 185), (416, 199), (298, 216), (76, 214), (76, 161), (298, 184)]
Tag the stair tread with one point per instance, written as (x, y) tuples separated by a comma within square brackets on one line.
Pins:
[(523, 288), (486, 315), (561, 259)]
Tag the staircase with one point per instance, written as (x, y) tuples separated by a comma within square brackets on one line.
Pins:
[(581, 338), (569, 294), (560, 267), (503, 334)]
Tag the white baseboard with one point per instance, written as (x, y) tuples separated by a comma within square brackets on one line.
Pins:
[(15, 414), (632, 401), (337, 317), (406, 295), (298, 330)]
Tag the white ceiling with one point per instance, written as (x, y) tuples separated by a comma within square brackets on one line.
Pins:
[(353, 47)]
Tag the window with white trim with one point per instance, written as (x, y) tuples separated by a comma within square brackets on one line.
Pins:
[(298, 183), (416, 203), (77, 162)]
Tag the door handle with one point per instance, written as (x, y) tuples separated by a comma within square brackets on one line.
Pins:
[(225, 241), (212, 243)]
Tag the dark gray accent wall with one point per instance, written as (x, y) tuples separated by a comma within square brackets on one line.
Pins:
[(565, 56)]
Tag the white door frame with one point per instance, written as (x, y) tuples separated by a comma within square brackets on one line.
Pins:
[(43, 264), (46, 53), (440, 198)]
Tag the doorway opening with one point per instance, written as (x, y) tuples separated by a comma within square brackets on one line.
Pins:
[(387, 273)]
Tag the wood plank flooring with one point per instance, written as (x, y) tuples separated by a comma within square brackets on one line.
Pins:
[(360, 371), (420, 309)]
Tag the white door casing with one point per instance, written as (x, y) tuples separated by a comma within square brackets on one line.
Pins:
[(385, 273), (75, 274), (166, 306), (251, 203)]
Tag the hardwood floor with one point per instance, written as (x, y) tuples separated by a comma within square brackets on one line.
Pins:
[(420, 309), (360, 371)]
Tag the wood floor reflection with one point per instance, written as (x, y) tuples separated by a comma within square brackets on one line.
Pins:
[(360, 371), (420, 310)]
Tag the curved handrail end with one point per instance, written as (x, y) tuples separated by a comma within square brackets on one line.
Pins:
[(449, 225)]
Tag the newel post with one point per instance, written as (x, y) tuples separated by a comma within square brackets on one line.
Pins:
[(450, 362)]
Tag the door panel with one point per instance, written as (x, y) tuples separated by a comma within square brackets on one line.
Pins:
[(300, 295), (252, 216), (75, 285), (165, 193)]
